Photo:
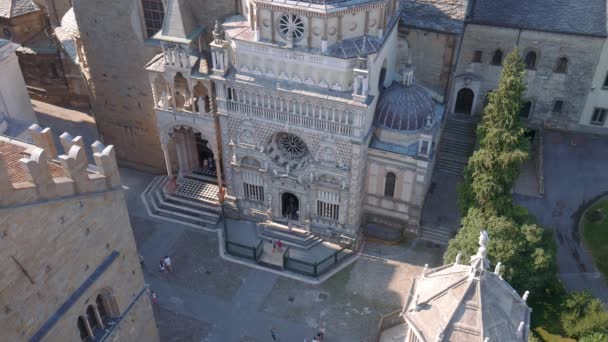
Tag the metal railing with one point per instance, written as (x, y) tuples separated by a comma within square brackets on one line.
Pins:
[(388, 321), (247, 252), (317, 268)]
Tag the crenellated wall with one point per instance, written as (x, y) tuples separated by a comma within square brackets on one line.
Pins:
[(49, 176)]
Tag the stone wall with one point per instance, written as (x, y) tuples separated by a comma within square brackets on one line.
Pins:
[(598, 96), (432, 53), (24, 27), (113, 36), (16, 102), (545, 86), (66, 240)]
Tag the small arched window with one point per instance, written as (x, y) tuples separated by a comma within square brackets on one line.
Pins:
[(531, 60), (389, 185), (497, 57), (562, 65), (154, 14), (526, 108), (92, 318), (101, 308), (82, 329)]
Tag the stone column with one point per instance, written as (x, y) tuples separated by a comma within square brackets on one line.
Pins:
[(272, 30), (309, 32), (324, 36), (339, 34), (167, 159)]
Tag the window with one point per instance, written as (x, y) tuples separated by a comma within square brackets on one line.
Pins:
[(92, 318), (562, 65), (291, 27), (101, 308), (328, 205), (558, 106), (477, 56), (254, 192), (524, 112), (606, 82), (389, 185), (82, 329), (497, 57), (253, 186), (530, 60), (599, 116), (154, 14)]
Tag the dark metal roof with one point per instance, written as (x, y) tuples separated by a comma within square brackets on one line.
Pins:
[(582, 17), (405, 108), (434, 15)]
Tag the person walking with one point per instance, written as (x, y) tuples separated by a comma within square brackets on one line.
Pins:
[(162, 266), (167, 262), (154, 297), (321, 333), (273, 334)]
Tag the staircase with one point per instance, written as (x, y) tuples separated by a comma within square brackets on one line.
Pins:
[(436, 235), (457, 143), (177, 207), (296, 237)]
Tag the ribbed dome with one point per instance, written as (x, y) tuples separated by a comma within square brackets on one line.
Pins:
[(405, 108)]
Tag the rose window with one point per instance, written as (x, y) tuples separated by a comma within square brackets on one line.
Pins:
[(292, 145), (291, 27)]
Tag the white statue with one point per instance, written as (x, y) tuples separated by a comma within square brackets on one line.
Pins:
[(458, 256), (483, 239), (311, 177), (287, 170), (234, 160)]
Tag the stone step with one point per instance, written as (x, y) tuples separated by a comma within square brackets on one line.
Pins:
[(201, 177), (186, 211), (297, 237), (458, 148), (201, 204), (167, 203), (436, 235)]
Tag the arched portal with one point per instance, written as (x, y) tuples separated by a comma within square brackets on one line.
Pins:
[(290, 206), (193, 152), (464, 101)]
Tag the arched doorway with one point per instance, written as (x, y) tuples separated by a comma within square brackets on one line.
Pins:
[(290, 206), (464, 101), (194, 155)]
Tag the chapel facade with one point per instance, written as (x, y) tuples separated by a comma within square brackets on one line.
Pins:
[(302, 113)]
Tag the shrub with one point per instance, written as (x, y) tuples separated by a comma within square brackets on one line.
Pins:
[(583, 315)]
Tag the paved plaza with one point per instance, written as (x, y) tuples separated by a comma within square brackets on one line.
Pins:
[(575, 173), (207, 298)]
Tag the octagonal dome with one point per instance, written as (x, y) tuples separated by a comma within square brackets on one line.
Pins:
[(404, 108)]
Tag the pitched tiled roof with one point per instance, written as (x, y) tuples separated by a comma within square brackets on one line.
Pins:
[(11, 151), (584, 17), (435, 15), (15, 8)]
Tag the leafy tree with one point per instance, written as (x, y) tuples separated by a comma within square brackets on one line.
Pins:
[(493, 168), (526, 251), (584, 316), (595, 337)]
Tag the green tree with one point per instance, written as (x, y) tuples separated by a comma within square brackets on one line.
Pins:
[(493, 168), (595, 337), (583, 316), (526, 251)]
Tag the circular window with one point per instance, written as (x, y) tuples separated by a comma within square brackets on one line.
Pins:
[(291, 27), (292, 145)]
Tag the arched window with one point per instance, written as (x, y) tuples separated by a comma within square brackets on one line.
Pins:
[(154, 14), (101, 308), (389, 185), (82, 329), (562, 65), (92, 318), (497, 57), (531, 60)]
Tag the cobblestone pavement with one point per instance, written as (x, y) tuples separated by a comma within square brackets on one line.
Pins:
[(575, 172), (230, 302)]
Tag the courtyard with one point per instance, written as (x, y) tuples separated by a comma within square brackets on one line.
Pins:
[(575, 174), (207, 298)]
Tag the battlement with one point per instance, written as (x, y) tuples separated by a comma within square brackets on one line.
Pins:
[(34, 172)]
